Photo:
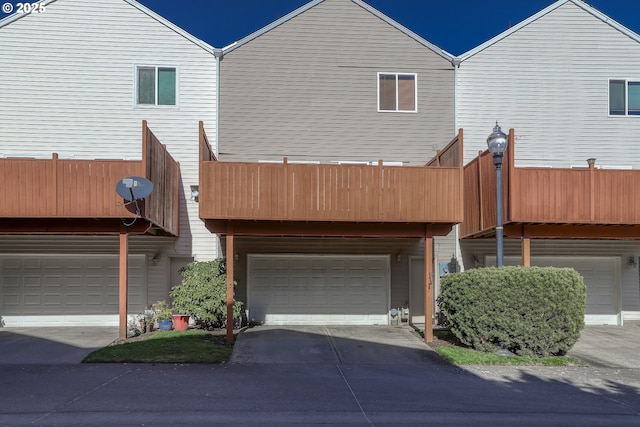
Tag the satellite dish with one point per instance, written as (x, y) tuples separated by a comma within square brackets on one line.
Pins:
[(134, 188)]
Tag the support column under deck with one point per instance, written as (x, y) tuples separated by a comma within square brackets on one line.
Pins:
[(230, 296), (428, 287), (123, 283), (526, 251)]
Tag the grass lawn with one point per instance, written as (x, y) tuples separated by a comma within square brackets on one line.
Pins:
[(193, 346), (448, 347)]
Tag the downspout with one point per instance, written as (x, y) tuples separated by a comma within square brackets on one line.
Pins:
[(456, 67), (218, 55)]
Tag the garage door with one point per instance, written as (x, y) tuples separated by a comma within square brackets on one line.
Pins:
[(600, 278), (50, 285), (318, 289)]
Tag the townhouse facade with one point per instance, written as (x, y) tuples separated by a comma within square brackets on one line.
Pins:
[(345, 88), (565, 81), (78, 81), (321, 155)]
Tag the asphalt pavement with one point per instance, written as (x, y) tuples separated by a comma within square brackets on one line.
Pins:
[(345, 386)]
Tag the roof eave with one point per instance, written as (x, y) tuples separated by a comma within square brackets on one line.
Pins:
[(607, 20), (193, 39), (12, 18), (446, 55), (443, 53), (270, 26), (15, 16), (543, 12), (506, 33)]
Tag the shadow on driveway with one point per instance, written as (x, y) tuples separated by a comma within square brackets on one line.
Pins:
[(52, 345), (344, 345)]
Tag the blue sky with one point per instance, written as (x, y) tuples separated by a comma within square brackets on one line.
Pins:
[(454, 25)]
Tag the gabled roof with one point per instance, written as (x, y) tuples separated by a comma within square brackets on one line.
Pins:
[(446, 55), (140, 7), (589, 9)]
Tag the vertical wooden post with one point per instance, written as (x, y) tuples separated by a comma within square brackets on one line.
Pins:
[(592, 190), (526, 251), (124, 282), (230, 261), (380, 187), (510, 176), (428, 286), (480, 192), (54, 158), (145, 150), (285, 164)]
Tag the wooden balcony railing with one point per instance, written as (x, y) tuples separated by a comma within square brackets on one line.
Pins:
[(329, 192), (451, 155), (548, 196), (85, 189)]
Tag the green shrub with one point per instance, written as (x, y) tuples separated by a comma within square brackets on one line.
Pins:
[(203, 294), (161, 311), (529, 311)]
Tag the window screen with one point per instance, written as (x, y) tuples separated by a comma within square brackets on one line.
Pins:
[(146, 85)]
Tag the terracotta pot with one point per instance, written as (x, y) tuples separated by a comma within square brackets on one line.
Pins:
[(180, 322)]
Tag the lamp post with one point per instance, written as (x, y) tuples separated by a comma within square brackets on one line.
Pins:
[(497, 143)]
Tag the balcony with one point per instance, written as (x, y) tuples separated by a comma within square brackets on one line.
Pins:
[(78, 196), (331, 199), (541, 202)]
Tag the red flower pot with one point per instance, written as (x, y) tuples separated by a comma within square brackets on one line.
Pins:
[(180, 322)]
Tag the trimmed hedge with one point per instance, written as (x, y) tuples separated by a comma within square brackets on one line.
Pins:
[(530, 311)]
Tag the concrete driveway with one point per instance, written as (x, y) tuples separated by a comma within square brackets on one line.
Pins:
[(609, 346), (53, 345), (600, 346), (363, 345)]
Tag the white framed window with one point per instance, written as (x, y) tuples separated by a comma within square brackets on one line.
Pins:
[(156, 85), (397, 92), (624, 97)]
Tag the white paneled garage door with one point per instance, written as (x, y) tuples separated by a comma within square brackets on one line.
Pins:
[(59, 286), (600, 277), (318, 289)]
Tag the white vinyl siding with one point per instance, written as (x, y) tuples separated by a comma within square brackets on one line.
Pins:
[(550, 82), (69, 87), (397, 92), (624, 97)]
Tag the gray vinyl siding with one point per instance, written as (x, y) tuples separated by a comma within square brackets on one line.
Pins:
[(399, 269), (307, 90), (68, 78), (629, 276), (549, 81)]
